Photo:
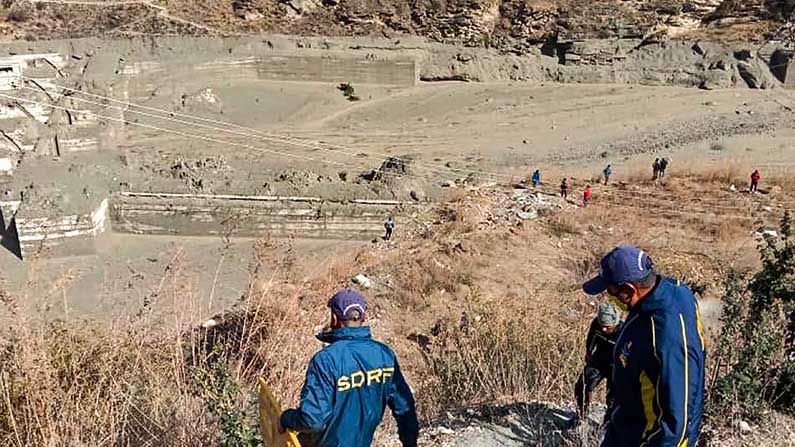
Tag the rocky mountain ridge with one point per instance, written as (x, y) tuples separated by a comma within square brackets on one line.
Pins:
[(499, 23)]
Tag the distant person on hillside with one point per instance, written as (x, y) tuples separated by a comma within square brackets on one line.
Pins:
[(536, 178), (755, 178), (655, 167), (389, 226), (608, 171), (586, 195), (564, 188), (599, 346), (350, 383), (658, 361), (663, 166)]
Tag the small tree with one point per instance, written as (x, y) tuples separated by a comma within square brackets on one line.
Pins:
[(348, 91), (755, 357)]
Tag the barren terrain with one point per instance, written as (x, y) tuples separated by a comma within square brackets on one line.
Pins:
[(176, 210)]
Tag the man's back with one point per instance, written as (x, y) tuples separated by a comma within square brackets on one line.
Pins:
[(349, 384), (659, 372)]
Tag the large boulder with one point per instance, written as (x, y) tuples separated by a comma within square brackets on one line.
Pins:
[(756, 73)]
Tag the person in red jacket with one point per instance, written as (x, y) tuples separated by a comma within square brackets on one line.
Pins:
[(586, 195), (755, 177)]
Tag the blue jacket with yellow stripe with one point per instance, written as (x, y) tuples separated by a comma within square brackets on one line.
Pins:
[(658, 372), (348, 385)]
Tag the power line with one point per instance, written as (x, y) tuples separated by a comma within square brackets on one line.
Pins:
[(267, 136), (292, 140), (189, 135), (632, 195)]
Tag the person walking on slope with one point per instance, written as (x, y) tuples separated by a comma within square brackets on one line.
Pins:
[(586, 195), (389, 226), (564, 188), (608, 171), (658, 372), (599, 345), (536, 178), (655, 168), (755, 177), (349, 383), (663, 167)]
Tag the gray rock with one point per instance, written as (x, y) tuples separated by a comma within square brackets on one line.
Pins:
[(756, 74), (744, 427), (362, 280)]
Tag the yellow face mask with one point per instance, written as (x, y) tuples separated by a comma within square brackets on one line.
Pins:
[(623, 307)]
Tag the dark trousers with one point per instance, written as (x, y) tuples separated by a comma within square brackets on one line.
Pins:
[(586, 384), (754, 186), (388, 234), (308, 439)]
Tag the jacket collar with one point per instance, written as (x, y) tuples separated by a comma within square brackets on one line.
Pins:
[(656, 299), (345, 333)]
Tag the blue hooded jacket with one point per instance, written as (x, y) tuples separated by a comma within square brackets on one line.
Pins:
[(658, 372), (348, 385)]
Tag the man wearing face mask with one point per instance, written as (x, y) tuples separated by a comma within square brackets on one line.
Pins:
[(658, 373), (350, 383)]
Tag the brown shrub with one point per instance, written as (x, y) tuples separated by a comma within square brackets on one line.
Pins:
[(498, 354)]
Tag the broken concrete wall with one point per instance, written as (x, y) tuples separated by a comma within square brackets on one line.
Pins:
[(197, 215), (31, 110), (6, 166), (77, 231)]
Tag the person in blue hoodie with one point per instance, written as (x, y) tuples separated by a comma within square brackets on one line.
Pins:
[(536, 178), (349, 384), (658, 372)]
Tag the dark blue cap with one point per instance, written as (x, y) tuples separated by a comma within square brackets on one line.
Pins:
[(346, 300), (624, 264)]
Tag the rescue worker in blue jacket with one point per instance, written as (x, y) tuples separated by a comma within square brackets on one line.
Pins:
[(658, 371), (349, 383)]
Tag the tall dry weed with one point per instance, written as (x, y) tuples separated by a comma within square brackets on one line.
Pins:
[(155, 378), (497, 353)]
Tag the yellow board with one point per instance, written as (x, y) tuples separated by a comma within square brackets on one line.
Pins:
[(269, 412)]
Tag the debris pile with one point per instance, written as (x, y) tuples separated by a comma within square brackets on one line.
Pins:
[(301, 179), (194, 172), (535, 423), (525, 204)]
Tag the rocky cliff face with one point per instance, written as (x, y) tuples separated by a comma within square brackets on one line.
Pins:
[(476, 22)]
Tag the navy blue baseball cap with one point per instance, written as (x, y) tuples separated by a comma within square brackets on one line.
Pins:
[(346, 300), (624, 264)]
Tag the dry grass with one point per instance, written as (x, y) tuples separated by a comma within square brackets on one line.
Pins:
[(149, 380), (499, 355), (477, 314)]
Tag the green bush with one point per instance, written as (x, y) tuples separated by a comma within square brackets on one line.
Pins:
[(755, 355)]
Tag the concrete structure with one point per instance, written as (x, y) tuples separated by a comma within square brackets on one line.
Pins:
[(194, 215), (338, 68), (249, 216), (6, 166), (72, 233)]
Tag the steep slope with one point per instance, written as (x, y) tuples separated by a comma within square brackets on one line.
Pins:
[(477, 22)]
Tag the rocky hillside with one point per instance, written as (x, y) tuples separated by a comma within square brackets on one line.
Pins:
[(503, 23)]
